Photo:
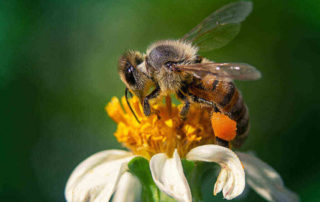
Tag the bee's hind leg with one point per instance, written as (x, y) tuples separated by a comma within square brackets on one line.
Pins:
[(205, 102), (222, 142)]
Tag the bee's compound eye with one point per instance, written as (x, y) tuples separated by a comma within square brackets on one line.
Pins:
[(170, 65), (129, 74)]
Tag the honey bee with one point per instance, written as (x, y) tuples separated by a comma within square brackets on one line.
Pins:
[(174, 67)]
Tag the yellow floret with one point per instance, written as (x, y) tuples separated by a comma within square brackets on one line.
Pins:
[(162, 131)]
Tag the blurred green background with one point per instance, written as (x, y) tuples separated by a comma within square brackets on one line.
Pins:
[(59, 69)]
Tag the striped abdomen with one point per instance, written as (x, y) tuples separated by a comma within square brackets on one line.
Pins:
[(228, 100)]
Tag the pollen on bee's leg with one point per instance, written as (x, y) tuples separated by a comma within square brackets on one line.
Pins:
[(223, 127)]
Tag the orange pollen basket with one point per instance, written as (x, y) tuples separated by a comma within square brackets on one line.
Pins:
[(223, 126)]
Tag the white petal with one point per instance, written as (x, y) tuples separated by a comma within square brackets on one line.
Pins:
[(222, 178), (265, 180), (231, 177), (168, 175), (95, 178), (229, 187), (128, 189)]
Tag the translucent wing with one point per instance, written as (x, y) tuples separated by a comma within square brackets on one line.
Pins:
[(221, 71), (220, 27)]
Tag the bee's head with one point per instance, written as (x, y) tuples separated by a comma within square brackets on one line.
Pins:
[(130, 73), (165, 53)]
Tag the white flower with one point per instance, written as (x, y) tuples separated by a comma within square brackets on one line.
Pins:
[(96, 178), (104, 173), (163, 141)]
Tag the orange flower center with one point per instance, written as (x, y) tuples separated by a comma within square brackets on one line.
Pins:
[(163, 131)]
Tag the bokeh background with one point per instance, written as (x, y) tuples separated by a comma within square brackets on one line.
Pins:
[(58, 69)]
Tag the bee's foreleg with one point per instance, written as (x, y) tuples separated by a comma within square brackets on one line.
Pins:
[(146, 106)]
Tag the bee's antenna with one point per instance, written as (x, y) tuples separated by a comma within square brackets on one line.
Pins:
[(126, 94)]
